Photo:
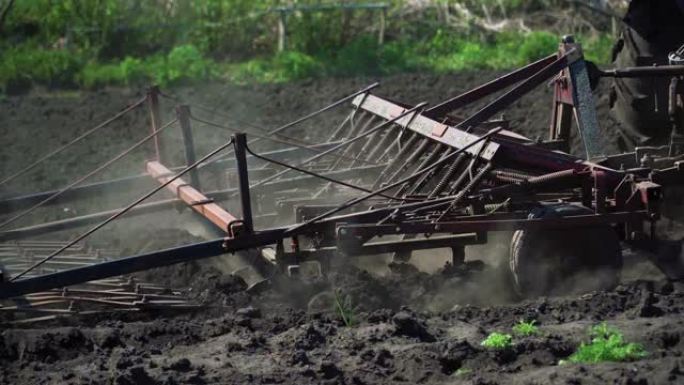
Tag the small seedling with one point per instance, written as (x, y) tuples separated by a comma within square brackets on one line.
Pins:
[(607, 344), (462, 372), (344, 308), (498, 341), (525, 329)]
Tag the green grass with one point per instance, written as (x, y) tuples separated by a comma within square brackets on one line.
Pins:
[(344, 308), (498, 341), (607, 344), (525, 329)]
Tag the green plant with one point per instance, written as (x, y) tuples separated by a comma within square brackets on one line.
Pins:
[(498, 341), (525, 329), (462, 372), (607, 344), (344, 308)]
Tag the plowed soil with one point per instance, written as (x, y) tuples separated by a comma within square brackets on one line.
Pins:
[(410, 325)]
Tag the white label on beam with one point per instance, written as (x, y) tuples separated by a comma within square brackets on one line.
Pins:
[(425, 126)]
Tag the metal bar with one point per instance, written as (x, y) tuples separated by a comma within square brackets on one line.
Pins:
[(125, 209), (499, 84), (321, 176), (418, 173), (86, 176), (490, 225), (637, 72), (185, 192), (72, 142), (133, 182), (155, 117), (183, 115), (437, 151), (137, 263), (447, 176), (474, 182), (92, 189), (415, 155), (400, 157), (345, 143), (240, 145), (352, 248), (315, 113), (151, 207), (518, 91), (425, 126), (359, 128)]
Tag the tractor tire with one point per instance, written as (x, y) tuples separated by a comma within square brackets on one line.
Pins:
[(640, 105), (564, 261)]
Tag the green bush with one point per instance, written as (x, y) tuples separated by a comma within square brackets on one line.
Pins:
[(183, 63), (29, 64), (607, 344), (525, 328), (537, 45), (284, 66), (498, 341)]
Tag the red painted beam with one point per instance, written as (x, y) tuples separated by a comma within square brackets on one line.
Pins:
[(195, 199)]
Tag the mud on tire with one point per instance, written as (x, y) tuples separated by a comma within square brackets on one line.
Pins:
[(566, 261)]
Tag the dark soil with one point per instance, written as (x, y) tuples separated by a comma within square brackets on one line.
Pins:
[(406, 326)]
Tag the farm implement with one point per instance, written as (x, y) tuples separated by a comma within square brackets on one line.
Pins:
[(387, 177)]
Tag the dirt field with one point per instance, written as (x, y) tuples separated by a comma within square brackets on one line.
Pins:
[(408, 326)]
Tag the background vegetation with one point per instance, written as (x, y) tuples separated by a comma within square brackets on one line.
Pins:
[(92, 43)]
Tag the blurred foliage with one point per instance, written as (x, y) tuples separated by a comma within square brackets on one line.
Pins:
[(92, 43)]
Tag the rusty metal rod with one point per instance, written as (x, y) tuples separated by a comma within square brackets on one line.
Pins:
[(86, 176), (313, 114), (125, 209), (264, 137), (74, 141), (331, 180), (345, 143), (418, 173)]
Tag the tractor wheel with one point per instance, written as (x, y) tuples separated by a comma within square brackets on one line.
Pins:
[(564, 261)]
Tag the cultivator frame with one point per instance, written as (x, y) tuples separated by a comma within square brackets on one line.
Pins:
[(422, 178)]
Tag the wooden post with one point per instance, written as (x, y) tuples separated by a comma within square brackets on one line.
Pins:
[(381, 30), (155, 118), (183, 114), (282, 30)]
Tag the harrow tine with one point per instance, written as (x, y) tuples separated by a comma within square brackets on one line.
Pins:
[(423, 145), (403, 153), (474, 182), (358, 128), (337, 133), (370, 143), (437, 151), (446, 178)]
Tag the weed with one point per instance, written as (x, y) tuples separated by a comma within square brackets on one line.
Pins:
[(344, 308), (607, 344), (498, 341), (462, 372), (525, 329)]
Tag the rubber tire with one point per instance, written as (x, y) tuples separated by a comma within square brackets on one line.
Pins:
[(640, 105), (567, 261)]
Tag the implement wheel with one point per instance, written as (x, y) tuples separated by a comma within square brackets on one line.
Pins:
[(564, 261)]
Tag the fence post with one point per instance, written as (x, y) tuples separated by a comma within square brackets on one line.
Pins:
[(243, 180), (381, 31), (183, 114), (282, 30), (155, 118)]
